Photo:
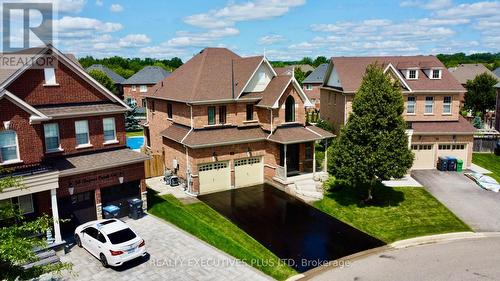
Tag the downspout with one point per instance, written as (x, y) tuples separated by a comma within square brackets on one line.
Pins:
[(271, 114)]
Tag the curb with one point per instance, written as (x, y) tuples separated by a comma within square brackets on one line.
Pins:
[(407, 243)]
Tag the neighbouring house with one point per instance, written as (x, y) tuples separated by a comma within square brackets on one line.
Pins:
[(223, 121), (313, 82), (303, 67), (140, 84), (64, 134), (431, 99), (468, 71), (497, 72), (116, 78)]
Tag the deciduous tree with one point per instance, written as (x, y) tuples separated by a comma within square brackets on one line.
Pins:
[(481, 94)]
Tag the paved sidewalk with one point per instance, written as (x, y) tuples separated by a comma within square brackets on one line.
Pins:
[(158, 185), (174, 255)]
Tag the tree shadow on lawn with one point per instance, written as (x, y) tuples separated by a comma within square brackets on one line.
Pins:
[(383, 196)]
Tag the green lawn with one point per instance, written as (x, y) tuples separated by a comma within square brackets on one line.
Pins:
[(488, 161), (395, 213), (135, 134), (208, 225)]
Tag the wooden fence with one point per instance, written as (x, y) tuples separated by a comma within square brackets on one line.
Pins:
[(154, 167)]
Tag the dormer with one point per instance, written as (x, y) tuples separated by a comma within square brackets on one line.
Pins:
[(434, 73), (411, 73), (409, 69)]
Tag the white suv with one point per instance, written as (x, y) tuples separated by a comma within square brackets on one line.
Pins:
[(111, 241)]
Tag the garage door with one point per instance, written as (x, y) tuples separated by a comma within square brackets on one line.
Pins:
[(457, 150), (248, 171), (214, 177), (75, 210), (424, 156)]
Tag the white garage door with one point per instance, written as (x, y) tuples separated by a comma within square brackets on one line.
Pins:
[(214, 177), (457, 150), (248, 171), (424, 156)]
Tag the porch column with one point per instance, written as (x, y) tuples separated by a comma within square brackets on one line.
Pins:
[(325, 160), (284, 163), (314, 159), (55, 215)]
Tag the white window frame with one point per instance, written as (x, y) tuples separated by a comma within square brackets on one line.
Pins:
[(440, 72), (134, 88), (445, 104), (18, 159), (143, 89), (115, 140), (414, 103), (426, 104), (50, 76), (408, 74), (58, 138), (83, 145), (309, 87)]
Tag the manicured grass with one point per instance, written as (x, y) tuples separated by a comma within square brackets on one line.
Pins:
[(488, 161), (394, 213), (135, 134), (208, 225)]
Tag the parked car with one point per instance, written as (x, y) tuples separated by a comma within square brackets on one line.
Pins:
[(111, 241), (484, 181)]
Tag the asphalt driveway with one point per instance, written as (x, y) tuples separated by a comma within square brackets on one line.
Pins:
[(478, 208)]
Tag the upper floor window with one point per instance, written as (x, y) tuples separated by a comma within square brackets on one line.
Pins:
[(436, 74), (412, 74), (211, 115), (249, 112), (9, 151), (51, 132), (169, 111), (143, 88), (109, 129), (222, 114), (134, 88), (429, 104), (447, 105), (82, 133), (309, 87), (290, 109), (410, 105), (50, 76)]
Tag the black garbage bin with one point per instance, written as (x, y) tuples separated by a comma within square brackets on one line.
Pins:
[(442, 163), (135, 208), (110, 211), (452, 164)]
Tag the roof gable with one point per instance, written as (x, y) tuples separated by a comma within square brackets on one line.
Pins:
[(396, 75), (36, 116)]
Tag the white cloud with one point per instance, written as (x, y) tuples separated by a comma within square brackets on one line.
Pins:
[(429, 5), (134, 40), (99, 3), (233, 12), (69, 6), (430, 21), (189, 39), (83, 27), (478, 9), (304, 46), (116, 8), (270, 39)]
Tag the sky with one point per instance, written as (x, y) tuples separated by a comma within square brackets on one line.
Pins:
[(280, 29)]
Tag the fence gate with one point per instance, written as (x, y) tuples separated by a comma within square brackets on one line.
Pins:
[(155, 166)]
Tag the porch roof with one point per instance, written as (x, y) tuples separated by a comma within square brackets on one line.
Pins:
[(298, 134), (93, 161)]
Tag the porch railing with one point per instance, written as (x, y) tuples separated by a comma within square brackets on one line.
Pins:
[(281, 172)]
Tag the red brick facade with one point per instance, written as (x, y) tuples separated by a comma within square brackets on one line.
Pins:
[(136, 95)]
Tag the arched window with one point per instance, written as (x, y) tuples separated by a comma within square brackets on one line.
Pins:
[(290, 109), (8, 146)]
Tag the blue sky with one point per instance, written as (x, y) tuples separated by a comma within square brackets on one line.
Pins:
[(282, 29)]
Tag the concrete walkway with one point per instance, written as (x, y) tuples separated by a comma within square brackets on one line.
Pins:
[(159, 185), (456, 259), (407, 180), (174, 255)]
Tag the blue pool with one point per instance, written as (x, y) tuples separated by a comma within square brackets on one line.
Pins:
[(135, 142)]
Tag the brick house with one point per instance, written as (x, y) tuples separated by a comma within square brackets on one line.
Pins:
[(64, 135), (140, 84), (223, 121), (431, 99), (312, 84)]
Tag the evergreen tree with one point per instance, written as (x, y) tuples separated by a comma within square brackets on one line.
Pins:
[(373, 145), (131, 122)]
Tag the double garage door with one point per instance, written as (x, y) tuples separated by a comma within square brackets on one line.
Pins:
[(216, 176), (426, 155)]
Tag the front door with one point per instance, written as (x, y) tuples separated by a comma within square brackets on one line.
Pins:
[(292, 158)]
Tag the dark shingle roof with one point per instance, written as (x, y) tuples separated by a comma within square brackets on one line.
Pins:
[(110, 73), (61, 111), (147, 75), (317, 75), (461, 126), (469, 71), (298, 134), (497, 72)]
